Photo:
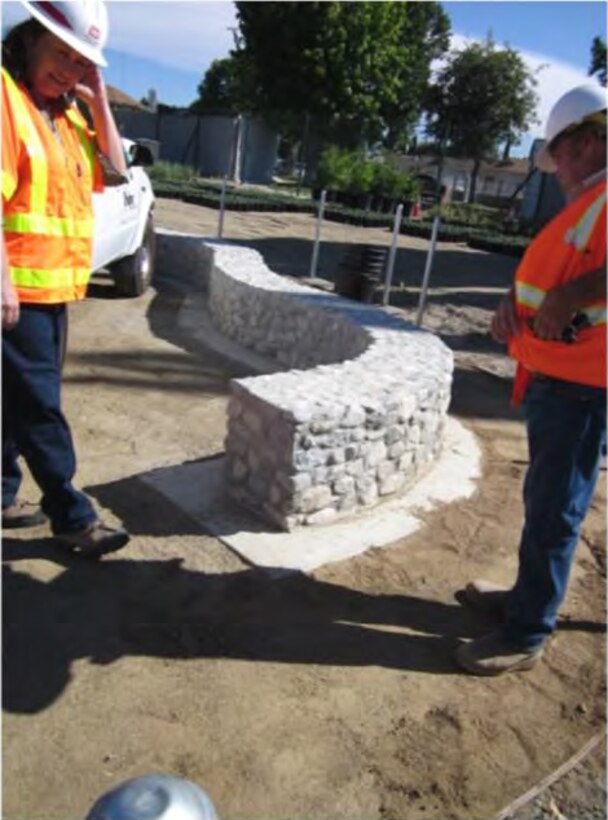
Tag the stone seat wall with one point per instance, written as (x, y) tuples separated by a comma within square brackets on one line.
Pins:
[(356, 417)]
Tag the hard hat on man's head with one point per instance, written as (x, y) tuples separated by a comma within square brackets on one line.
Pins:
[(585, 103), (82, 24)]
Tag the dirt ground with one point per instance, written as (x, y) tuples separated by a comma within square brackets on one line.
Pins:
[(291, 697)]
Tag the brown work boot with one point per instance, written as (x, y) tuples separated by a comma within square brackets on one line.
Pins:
[(486, 596), (493, 655), (94, 540), (22, 514)]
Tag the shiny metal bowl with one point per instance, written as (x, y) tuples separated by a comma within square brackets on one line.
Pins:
[(154, 797)]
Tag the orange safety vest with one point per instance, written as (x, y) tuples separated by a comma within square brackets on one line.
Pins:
[(47, 184), (572, 244)]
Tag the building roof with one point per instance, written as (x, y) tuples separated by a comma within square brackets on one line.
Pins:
[(119, 99), (428, 164)]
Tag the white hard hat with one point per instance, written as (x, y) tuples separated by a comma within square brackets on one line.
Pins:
[(574, 108), (82, 24), (154, 797)]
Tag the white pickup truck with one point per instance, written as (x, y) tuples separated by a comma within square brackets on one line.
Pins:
[(123, 241)]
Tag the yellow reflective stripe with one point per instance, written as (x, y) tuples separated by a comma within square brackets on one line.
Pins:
[(49, 225), (35, 150), (596, 314), (42, 278), (86, 146), (9, 183), (529, 295), (580, 234)]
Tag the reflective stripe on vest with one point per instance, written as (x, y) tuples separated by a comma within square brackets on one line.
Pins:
[(27, 132), (580, 234), (531, 297), (85, 143), (49, 225), (57, 278)]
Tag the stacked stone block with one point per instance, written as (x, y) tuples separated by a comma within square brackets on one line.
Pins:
[(356, 419)]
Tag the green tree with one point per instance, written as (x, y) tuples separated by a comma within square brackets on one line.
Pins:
[(357, 70), (598, 59), (482, 98), (222, 88)]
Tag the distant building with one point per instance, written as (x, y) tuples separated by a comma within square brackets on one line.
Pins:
[(498, 181), (543, 197), (513, 183), (119, 100)]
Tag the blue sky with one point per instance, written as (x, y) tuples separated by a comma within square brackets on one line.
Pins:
[(168, 45)]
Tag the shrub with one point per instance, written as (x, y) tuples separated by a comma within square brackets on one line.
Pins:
[(171, 172), (333, 169), (361, 175)]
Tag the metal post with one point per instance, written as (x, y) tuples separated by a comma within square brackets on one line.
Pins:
[(220, 227), (302, 154), (315, 250), (427, 270), (391, 255)]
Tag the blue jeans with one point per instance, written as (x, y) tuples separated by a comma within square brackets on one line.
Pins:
[(33, 424), (566, 425)]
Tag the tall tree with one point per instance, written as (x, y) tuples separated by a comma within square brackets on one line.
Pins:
[(482, 98), (356, 70), (598, 59), (224, 88)]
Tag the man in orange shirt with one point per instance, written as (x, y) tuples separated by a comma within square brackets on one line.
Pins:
[(50, 166), (554, 323)]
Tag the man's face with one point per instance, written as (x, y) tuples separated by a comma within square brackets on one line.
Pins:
[(576, 158)]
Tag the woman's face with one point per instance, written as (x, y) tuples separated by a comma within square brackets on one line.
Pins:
[(53, 67)]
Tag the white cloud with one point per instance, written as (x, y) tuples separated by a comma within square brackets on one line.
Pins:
[(185, 35)]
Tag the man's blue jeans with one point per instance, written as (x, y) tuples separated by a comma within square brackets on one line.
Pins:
[(33, 423), (566, 426)]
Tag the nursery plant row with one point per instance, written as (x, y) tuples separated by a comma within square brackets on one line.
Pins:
[(474, 237)]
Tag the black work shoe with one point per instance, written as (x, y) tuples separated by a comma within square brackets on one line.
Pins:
[(486, 596), (94, 540), (22, 514), (493, 655)]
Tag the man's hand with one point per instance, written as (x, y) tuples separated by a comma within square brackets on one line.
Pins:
[(10, 305), (555, 312), (505, 322)]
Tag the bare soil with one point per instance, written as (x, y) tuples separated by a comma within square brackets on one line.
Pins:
[(295, 697)]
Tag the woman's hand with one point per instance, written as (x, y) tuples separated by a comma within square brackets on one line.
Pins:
[(10, 304), (91, 89)]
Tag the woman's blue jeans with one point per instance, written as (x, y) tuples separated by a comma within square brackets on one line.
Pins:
[(566, 425), (33, 424)]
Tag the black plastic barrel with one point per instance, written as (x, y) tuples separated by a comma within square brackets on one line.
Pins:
[(360, 272)]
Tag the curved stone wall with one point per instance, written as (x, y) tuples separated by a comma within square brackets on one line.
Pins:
[(356, 413), (356, 418)]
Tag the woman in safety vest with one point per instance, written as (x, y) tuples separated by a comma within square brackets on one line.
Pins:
[(554, 322), (51, 163)]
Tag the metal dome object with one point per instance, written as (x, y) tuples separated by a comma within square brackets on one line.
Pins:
[(154, 797)]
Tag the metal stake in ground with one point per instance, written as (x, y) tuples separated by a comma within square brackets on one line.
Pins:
[(220, 227), (391, 254), (315, 250), (427, 271)]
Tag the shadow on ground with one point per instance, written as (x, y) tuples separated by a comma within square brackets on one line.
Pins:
[(120, 607), (117, 608)]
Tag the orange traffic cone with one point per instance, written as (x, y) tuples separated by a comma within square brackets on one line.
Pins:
[(416, 212)]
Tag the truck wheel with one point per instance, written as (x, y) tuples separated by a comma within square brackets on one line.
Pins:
[(133, 274)]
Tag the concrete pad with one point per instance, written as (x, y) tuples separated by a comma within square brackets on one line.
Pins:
[(198, 489)]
